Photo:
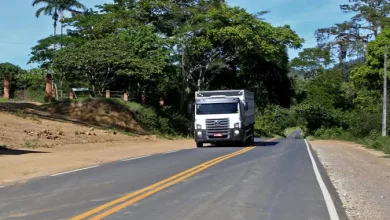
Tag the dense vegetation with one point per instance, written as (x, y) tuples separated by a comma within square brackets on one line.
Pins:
[(339, 83), (171, 48)]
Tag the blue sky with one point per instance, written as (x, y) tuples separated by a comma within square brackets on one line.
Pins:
[(20, 29)]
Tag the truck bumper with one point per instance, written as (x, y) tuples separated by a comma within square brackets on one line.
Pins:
[(201, 136)]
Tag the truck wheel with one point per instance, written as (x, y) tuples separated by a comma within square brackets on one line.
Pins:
[(252, 138), (243, 143), (199, 145)]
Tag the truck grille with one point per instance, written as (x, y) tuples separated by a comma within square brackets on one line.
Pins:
[(217, 126)]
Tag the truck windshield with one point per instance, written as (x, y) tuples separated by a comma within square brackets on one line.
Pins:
[(216, 108)]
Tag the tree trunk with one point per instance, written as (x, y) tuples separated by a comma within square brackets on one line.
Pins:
[(6, 85), (48, 93), (182, 82), (62, 16), (55, 27)]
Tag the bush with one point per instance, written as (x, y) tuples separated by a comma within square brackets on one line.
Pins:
[(333, 133), (164, 121), (273, 120), (363, 123)]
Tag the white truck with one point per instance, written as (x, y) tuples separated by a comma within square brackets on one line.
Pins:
[(224, 116)]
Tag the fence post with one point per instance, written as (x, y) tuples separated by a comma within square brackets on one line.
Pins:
[(6, 85), (126, 96), (108, 94), (161, 102), (71, 94), (48, 93)]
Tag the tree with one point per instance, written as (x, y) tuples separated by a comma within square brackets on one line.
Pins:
[(8, 73), (56, 8), (71, 6), (233, 45), (138, 54), (370, 15), (370, 74), (44, 52), (343, 39), (312, 61)]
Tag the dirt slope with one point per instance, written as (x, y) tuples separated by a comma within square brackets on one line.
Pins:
[(36, 141)]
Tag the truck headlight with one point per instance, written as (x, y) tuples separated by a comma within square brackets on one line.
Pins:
[(198, 126), (237, 125), (199, 133)]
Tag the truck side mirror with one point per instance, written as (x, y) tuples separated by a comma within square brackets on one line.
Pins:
[(246, 107)]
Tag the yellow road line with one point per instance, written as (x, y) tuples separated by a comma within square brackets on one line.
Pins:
[(158, 189), (128, 196)]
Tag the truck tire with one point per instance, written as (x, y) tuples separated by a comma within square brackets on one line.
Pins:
[(252, 138), (199, 145), (243, 142)]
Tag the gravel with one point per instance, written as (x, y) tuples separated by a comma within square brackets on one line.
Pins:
[(360, 176)]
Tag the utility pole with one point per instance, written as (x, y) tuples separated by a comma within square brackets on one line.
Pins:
[(384, 95)]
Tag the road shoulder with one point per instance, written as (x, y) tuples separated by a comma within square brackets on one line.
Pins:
[(360, 177), (42, 162)]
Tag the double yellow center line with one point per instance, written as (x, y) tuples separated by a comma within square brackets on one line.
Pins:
[(131, 198)]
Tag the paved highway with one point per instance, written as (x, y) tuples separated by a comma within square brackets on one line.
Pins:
[(274, 180)]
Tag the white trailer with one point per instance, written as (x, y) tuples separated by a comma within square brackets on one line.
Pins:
[(224, 116)]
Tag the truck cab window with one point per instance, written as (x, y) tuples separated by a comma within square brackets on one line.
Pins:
[(217, 108)]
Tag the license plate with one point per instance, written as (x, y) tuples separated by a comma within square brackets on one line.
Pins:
[(218, 135)]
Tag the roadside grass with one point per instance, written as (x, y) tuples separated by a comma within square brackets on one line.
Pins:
[(2, 99), (374, 140), (23, 114), (33, 144)]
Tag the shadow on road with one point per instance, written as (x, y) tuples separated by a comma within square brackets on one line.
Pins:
[(256, 144), (7, 151), (266, 143)]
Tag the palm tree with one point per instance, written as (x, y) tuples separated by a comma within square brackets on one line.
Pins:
[(56, 8), (71, 6)]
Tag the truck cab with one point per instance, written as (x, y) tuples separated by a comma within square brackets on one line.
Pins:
[(224, 117)]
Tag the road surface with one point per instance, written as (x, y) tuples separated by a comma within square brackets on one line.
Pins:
[(273, 180)]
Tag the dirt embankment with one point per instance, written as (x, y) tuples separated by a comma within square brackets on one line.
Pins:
[(37, 141), (361, 177)]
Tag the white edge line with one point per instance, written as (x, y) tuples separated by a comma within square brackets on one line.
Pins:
[(133, 158), (2, 187), (325, 192), (72, 171), (172, 151)]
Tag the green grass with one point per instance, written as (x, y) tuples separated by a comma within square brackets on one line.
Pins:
[(33, 144), (2, 99), (22, 114), (374, 140)]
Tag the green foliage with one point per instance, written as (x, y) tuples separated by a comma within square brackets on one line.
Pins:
[(274, 120), (33, 79), (370, 74), (333, 133), (371, 15), (12, 72), (312, 61), (56, 9), (167, 48), (164, 121)]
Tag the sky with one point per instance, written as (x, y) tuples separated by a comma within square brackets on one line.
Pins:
[(20, 29)]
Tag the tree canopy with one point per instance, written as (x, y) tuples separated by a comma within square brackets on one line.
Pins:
[(156, 47)]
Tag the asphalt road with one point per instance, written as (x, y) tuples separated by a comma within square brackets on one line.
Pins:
[(274, 180)]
